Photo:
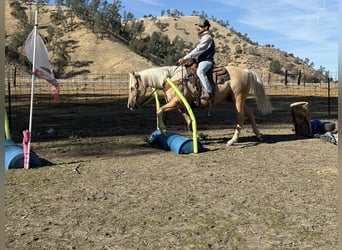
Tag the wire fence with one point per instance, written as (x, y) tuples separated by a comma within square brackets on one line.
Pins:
[(102, 86), (106, 90)]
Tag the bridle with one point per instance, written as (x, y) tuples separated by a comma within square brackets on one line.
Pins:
[(151, 95), (138, 91)]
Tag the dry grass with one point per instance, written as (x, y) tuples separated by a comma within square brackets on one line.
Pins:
[(280, 194), (106, 56)]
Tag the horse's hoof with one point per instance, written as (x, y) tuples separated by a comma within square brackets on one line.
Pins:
[(164, 132), (260, 137), (230, 143)]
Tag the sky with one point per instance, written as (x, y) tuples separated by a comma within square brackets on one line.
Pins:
[(306, 28)]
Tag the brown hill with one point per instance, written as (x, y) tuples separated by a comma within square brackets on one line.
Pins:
[(89, 53), (231, 48)]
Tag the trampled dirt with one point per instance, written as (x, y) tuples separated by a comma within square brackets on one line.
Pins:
[(103, 186)]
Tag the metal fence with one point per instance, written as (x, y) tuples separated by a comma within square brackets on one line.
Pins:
[(85, 92), (86, 86), (115, 84)]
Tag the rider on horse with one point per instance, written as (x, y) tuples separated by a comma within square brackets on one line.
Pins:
[(203, 53)]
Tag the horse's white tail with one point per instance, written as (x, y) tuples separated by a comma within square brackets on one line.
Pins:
[(257, 85)]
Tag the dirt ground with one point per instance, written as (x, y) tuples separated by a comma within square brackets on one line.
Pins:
[(103, 186)]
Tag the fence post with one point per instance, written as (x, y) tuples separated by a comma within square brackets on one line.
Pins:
[(286, 77), (15, 77), (329, 96), (299, 77), (9, 117)]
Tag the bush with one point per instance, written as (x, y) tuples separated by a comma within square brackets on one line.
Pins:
[(275, 67)]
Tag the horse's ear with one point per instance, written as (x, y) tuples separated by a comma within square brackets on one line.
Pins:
[(136, 75)]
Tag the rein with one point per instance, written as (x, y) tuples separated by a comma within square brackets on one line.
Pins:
[(148, 99), (171, 74), (150, 96), (175, 71), (182, 82)]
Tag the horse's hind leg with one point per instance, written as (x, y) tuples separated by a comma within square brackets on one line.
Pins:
[(250, 115), (235, 137), (239, 110), (160, 123), (187, 119)]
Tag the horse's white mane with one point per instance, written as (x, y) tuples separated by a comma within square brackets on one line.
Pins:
[(155, 77)]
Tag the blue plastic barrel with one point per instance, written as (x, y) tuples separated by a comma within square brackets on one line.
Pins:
[(14, 156), (174, 142)]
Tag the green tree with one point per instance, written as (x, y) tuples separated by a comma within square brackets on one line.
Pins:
[(93, 12), (175, 49), (17, 41), (18, 11), (275, 67), (140, 46), (238, 49), (100, 24), (62, 58), (128, 16), (133, 30)]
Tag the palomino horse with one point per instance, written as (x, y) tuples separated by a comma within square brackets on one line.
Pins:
[(235, 90)]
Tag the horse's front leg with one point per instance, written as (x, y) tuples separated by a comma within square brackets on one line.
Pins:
[(160, 122), (172, 105)]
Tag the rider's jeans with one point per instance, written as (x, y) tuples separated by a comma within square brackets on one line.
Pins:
[(202, 69)]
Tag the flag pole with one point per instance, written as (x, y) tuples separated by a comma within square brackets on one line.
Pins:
[(27, 161)]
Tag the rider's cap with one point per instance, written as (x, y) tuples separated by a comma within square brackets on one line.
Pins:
[(203, 23)]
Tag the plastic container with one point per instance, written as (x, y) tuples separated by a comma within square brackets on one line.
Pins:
[(174, 142), (14, 156)]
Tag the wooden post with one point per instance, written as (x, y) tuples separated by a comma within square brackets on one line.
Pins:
[(329, 96), (299, 77), (301, 118), (286, 77)]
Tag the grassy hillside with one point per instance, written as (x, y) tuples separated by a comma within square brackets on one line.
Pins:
[(89, 53), (228, 44)]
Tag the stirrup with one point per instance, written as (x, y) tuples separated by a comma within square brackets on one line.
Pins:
[(206, 96)]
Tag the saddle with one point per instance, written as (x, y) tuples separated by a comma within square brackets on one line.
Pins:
[(216, 75)]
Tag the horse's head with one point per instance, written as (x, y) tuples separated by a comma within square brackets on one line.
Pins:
[(135, 90)]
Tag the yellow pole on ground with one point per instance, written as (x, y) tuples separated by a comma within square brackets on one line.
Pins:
[(192, 116), (7, 129)]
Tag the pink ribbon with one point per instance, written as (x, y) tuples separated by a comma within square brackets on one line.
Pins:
[(25, 148)]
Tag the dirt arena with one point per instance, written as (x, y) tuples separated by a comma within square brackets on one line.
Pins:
[(103, 186)]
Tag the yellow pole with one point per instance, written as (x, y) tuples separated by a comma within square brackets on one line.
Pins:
[(157, 102), (192, 116), (7, 130)]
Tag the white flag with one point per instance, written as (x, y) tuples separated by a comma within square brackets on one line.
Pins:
[(43, 68)]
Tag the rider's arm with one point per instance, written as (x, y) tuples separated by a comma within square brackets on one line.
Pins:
[(201, 47)]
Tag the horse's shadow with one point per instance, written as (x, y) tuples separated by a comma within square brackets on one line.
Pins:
[(275, 138), (250, 141)]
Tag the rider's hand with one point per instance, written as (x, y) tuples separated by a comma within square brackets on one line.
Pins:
[(181, 60)]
